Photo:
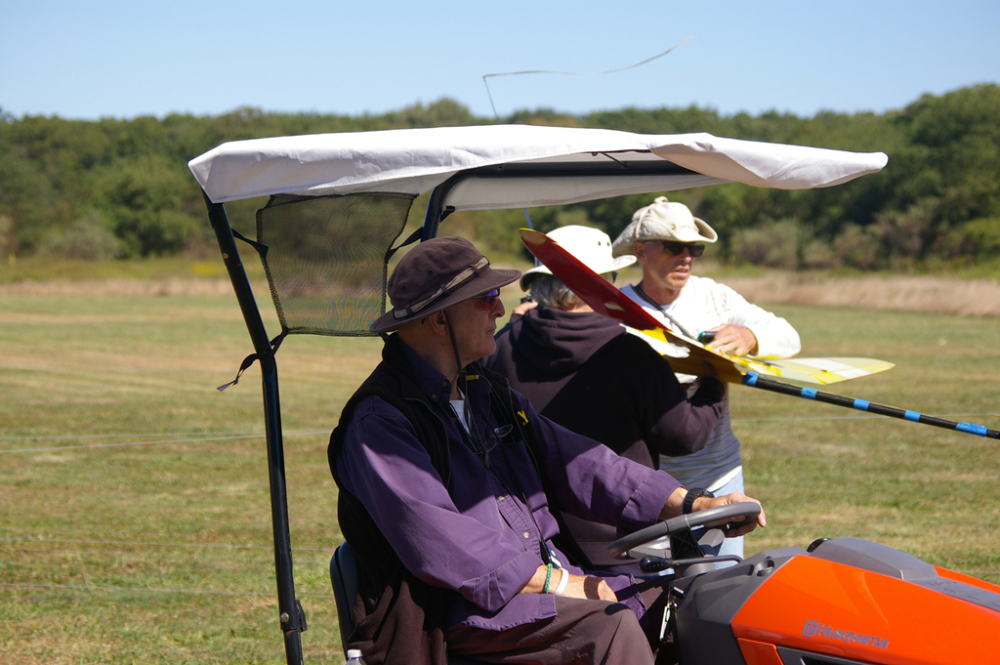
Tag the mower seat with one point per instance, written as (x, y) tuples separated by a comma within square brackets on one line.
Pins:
[(344, 576)]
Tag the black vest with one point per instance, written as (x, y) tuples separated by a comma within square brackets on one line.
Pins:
[(391, 600)]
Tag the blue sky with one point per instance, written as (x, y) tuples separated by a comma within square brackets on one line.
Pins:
[(105, 58)]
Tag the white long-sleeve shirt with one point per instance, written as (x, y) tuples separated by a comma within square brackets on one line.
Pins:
[(702, 305)]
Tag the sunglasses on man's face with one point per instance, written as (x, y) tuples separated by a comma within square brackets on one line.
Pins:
[(489, 301), (677, 248)]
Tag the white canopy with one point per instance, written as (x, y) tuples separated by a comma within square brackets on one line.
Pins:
[(415, 161)]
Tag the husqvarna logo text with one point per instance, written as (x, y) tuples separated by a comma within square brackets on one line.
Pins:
[(816, 629)]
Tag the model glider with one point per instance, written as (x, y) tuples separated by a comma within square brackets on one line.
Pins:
[(603, 297)]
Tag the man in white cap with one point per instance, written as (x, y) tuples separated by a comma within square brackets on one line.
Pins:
[(580, 369), (666, 239)]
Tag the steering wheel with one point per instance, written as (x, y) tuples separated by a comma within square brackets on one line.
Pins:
[(727, 513)]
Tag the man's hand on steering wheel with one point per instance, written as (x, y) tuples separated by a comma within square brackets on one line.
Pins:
[(674, 505), (736, 528)]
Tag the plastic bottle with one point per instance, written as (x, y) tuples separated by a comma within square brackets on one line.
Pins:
[(354, 657)]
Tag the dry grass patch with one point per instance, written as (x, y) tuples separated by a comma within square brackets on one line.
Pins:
[(173, 286), (914, 293), (939, 295)]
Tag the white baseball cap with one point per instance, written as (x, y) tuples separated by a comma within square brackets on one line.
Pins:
[(590, 246), (663, 220)]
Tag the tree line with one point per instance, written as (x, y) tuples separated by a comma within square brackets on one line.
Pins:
[(121, 189)]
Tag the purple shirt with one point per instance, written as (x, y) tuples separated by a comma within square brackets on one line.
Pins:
[(486, 542)]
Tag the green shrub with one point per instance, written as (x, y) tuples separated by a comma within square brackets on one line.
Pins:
[(983, 237), (87, 238), (857, 247), (817, 255), (904, 236), (772, 245)]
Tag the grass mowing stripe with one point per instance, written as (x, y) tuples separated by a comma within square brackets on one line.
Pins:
[(150, 443), (108, 436), (29, 539), (135, 434), (210, 592)]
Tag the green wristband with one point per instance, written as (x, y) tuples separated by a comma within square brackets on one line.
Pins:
[(548, 578)]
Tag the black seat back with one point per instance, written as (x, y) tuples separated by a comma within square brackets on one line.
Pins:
[(344, 576)]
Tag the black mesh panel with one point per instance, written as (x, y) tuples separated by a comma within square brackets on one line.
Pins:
[(326, 258)]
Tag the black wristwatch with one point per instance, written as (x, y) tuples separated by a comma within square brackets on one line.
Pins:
[(693, 494)]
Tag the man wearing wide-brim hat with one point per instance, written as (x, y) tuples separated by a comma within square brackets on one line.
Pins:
[(444, 477), (666, 239)]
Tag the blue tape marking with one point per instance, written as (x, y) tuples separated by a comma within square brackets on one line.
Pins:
[(861, 404), (750, 378), (972, 429), (809, 393), (912, 415)]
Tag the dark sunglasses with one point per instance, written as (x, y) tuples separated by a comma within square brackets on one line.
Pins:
[(489, 301), (677, 248)]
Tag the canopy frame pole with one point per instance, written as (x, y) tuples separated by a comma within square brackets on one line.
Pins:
[(435, 206), (437, 210), (291, 617)]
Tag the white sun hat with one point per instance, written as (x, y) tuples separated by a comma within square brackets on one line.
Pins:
[(591, 246), (663, 220)]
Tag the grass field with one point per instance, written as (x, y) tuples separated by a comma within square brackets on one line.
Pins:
[(135, 520)]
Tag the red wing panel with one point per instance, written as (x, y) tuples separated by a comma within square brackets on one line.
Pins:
[(827, 607), (602, 296)]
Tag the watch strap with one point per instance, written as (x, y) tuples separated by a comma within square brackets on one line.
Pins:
[(693, 494)]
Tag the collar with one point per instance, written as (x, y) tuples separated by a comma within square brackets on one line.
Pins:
[(431, 382)]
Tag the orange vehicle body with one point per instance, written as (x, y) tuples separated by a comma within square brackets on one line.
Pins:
[(826, 607)]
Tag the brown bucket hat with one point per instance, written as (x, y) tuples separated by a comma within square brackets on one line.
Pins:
[(435, 275)]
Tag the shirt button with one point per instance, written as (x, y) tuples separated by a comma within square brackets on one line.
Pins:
[(500, 499), (527, 535)]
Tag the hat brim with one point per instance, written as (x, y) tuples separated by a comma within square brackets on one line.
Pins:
[(622, 246), (616, 264), (487, 280)]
